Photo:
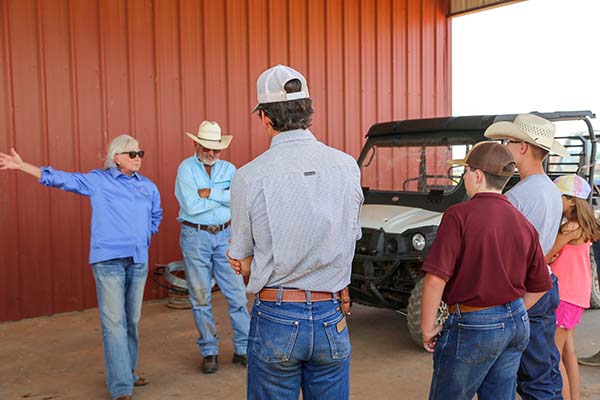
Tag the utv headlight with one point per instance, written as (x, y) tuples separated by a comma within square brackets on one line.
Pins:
[(418, 241)]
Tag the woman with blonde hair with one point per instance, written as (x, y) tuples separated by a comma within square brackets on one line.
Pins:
[(125, 213)]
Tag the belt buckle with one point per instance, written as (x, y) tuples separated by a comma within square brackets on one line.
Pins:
[(213, 228)]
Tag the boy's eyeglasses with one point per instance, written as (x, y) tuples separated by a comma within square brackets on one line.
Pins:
[(133, 154)]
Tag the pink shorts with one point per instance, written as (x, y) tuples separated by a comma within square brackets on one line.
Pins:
[(568, 315)]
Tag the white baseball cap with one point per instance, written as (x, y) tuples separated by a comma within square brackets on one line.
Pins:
[(270, 85)]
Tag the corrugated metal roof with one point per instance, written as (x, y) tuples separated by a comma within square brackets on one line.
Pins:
[(461, 7)]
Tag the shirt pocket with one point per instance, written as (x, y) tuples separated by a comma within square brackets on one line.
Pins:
[(221, 184)]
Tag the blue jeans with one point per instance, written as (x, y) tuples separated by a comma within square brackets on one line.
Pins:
[(120, 289), (298, 345), (204, 256), (539, 374), (479, 352)]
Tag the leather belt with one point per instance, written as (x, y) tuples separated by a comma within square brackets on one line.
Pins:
[(208, 228), (299, 296), (295, 295), (465, 308)]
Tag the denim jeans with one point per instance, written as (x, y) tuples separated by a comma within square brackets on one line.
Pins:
[(204, 256), (298, 345), (479, 352), (539, 374), (120, 290)]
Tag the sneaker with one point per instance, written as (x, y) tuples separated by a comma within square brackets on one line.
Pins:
[(240, 359), (591, 361), (210, 364)]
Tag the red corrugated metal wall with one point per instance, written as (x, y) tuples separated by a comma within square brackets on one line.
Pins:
[(76, 73)]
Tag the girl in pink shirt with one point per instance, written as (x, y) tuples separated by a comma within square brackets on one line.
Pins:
[(570, 259)]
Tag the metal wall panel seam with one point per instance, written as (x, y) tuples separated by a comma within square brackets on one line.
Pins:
[(157, 102), (360, 73), (249, 79), (405, 83), (8, 72), (204, 58), (226, 88), (448, 63), (182, 113), (42, 75), (376, 50), (76, 128), (9, 78), (435, 58), (74, 86), (421, 66), (102, 58), (130, 75), (45, 138), (345, 143)]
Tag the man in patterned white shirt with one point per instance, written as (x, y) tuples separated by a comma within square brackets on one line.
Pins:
[(295, 222)]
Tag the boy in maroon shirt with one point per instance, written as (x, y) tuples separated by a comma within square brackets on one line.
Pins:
[(487, 264)]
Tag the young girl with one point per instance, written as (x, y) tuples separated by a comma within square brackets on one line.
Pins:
[(570, 258)]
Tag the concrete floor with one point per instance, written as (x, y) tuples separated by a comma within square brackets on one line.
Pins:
[(60, 357)]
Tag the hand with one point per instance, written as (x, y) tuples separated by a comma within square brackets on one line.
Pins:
[(12, 161), (236, 265), (204, 193), (430, 338)]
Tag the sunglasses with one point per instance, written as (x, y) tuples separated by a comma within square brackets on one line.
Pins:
[(205, 150), (133, 154), (507, 141)]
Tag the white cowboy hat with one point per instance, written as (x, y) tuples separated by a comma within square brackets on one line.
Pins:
[(531, 129), (209, 136)]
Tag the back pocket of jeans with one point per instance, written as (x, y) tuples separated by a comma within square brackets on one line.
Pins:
[(275, 338), (338, 337), (477, 343)]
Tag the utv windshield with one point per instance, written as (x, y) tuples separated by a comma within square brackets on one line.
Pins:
[(418, 166)]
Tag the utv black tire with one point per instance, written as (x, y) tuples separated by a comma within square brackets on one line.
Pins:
[(413, 313), (595, 296)]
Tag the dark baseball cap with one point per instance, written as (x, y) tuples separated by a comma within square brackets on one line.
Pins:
[(490, 157)]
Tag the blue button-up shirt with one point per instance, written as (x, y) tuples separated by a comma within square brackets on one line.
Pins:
[(192, 176), (296, 209), (125, 210)]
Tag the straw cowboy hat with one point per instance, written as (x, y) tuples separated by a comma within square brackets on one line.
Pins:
[(531, 129), (209, 136)]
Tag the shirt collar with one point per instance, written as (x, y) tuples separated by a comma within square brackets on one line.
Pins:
[(291, 136), (114, 172), (489, 195)]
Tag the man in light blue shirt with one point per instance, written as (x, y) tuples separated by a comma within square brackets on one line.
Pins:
[(202, 189)]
